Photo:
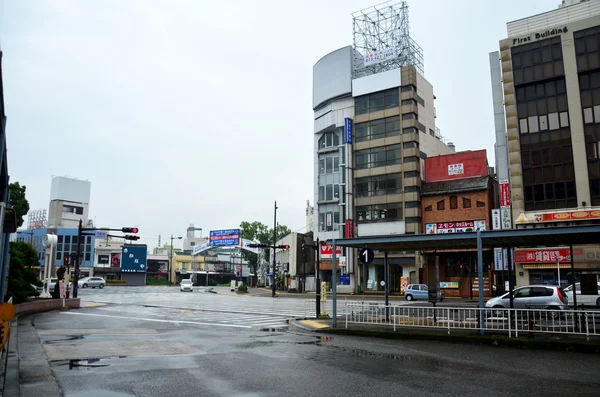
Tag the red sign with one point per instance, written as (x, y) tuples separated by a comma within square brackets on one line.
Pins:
[(543, 256), (349, 228), (456, 166), (564, 216), (327, 251), (504, 193)]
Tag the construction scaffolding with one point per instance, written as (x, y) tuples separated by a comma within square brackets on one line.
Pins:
[(382, 38)]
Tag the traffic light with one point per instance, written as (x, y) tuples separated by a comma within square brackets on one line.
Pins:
[(283, 247), (129, 230), (133, 238), (66, 260)]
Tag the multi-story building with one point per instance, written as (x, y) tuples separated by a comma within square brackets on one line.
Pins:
[(192, 239), (297, 263), (458, 196), (546, 87), (374, 125), (69, 202)]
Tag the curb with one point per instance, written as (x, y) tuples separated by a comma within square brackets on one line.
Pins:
[(567, 345)]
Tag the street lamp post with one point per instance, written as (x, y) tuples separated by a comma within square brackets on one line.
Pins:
[(171, 256)]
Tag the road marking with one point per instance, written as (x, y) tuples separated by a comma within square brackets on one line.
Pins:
[(159, 321), (314, 324)]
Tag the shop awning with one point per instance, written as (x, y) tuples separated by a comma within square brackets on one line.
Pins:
[(540, 237)]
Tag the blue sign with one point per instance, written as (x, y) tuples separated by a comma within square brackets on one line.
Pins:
[(133, 258), (345, 279), (347, 130), (219, 238)]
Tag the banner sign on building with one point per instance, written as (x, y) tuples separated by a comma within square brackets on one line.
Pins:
[(379, 56), (115, 259), (327, 251), (133, 258), (498, 259), (504, 193), (505, 258), (543, 256), (449, 284), (329, 219), (349, 228), (347, 130), (456, 169), (496, 224), (564, 216), (224, 237), (505, 218), (455, 227)]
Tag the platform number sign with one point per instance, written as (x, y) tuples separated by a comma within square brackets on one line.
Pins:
[(366, 255)]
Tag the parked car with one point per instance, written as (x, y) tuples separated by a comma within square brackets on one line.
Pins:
[(533, 297), (420, 292), (593, 299), (91, 282), (186, 285), (53, 282)]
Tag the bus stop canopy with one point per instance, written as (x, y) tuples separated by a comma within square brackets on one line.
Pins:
[(513, 238)]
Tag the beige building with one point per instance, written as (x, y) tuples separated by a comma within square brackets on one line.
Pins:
[(546, 86)]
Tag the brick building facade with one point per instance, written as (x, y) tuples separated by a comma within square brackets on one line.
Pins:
[(457, 197)]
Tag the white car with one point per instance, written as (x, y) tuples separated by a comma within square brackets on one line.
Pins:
[(91, 282), (53, 282), (593, 299), (186, 285)]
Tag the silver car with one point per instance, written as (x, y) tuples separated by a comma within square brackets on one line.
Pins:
[(91, 282), (533, 297)]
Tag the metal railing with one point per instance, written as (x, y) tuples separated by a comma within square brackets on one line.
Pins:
[(512, 321)]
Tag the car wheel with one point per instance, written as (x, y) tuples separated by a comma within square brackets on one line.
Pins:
[(84, 285), (101, 286), (408, 297)]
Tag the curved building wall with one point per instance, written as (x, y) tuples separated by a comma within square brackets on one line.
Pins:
[(332, 76)]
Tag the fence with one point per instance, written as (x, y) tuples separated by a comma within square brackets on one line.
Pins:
[(512, 321)]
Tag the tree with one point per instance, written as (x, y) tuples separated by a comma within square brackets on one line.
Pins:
[(258, 231), (18, 201), (21, 274)]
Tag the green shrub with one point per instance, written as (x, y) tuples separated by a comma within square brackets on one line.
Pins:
[(293, 290), (115, 282), (243, 288), (21, 275), (151, 281)]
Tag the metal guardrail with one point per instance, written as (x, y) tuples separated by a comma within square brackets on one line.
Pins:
[(513, 321)]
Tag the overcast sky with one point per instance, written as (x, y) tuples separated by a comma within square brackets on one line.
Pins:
[(200, 111)]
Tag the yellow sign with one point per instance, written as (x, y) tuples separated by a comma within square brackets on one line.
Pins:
[(7, 311), (323, 291)]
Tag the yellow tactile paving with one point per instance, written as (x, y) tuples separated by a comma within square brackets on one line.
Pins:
[(314, 324)]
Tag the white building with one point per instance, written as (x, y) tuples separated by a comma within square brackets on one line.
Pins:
[(69, 202), (193, 238)]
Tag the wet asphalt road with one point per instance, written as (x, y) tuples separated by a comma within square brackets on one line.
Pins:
[(129, 349)]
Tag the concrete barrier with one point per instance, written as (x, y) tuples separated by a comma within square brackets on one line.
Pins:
[(46, 304)]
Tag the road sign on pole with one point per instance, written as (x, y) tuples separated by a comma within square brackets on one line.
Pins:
[(366, 255)]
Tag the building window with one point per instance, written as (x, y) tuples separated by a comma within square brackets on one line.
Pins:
[(377, 101), (379, 185), (376, 129), (428, 208), (441, 205), (412, 219), (422, 127), (377, 157), (379, 213), (466, 202), (410, 145), (411, 189), (421, 101), (409, 116), (411, 159), (409, 130), (431, 132), (412, 204), (329, 139), (408, 88), (537, 61), (453, 202), (411, 174), (480, 204), (409, 102), (587, 43)]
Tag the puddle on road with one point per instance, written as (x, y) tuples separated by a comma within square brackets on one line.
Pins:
[(55, 341), (316, 341)]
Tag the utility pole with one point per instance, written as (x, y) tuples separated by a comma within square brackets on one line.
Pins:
[(273, 286), (273, 247)]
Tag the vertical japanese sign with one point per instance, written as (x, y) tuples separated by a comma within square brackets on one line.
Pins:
[(347, 130), (349, 228), (498, 261), (504, 193), (496, 224), (505, 218)]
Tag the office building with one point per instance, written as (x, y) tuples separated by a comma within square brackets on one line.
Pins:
[(69, 202), (546, 94), (374, 126)]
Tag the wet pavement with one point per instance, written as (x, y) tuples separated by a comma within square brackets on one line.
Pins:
[(124, 355)]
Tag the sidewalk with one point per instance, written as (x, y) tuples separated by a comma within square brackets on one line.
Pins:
[(28, 371)]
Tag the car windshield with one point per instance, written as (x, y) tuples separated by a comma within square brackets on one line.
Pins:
[(186, 282)]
